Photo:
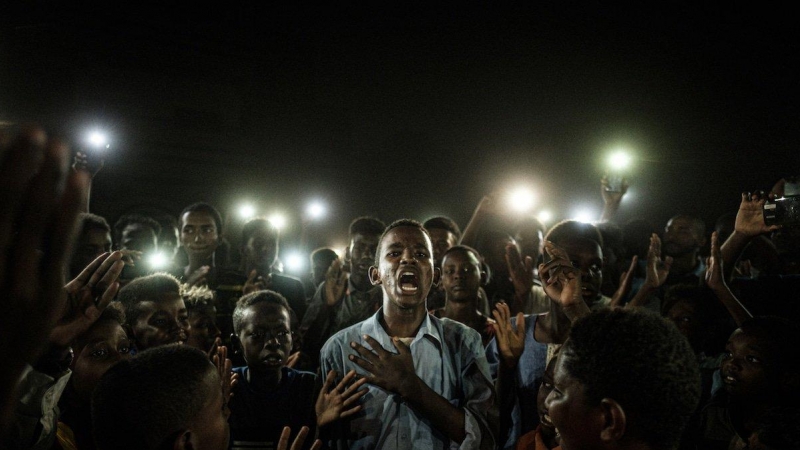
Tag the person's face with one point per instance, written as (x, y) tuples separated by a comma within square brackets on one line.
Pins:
[(138, 237), (587, 256), (442, 241), (91, 244), (406, 270), (161, 322), (168, 241), (530, 243), (461, 276), (104, 345), (266, 337), (210, 425), (362, 256), (681, 237), (684, 316), (745, 367), (544, 391), (495, 257), (203, 328), (199, 234), (570, 411), (260, 251)]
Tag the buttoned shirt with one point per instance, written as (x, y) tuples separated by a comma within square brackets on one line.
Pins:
[(448, 357)]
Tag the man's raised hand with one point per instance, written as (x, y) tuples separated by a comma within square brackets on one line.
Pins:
[(336, 279)]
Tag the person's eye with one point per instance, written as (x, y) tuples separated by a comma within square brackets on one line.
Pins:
[(753, 359), (727, 355), (99, 353), (394, 254), (596, 268), (160, 322), (124, 350), (547, 385), (422, 254)]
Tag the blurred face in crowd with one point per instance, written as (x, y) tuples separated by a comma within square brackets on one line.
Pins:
[(681, 237), (139, 237), (266, 337), (161, 322), (570, 411), (541, 396), (746, 366), (461, 276), (362, 256), (684, 315), (530, 242), (102, 346), (203, 328), (261, 250), (91, 244), (168, 241), (442, 240), (494, 255), (319, 267), (587, 256), (199, 234)]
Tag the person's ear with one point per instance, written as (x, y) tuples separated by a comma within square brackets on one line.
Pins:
[(183, 440), (484, 277), (437, 276), (614, 420), (374, 276)]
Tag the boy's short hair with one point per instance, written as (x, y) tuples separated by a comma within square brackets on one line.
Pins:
[(147, 288), (366, 225), (142, 402), (206, 208), (570, 230), (138, 219), (443, 223), (324, 254), (197, 298), (397, 224), (254, 298), (650, 370), (89, 221), (464, 249)]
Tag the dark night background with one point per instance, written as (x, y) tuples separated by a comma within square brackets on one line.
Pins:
[(399, 110)]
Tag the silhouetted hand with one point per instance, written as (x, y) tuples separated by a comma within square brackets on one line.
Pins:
[(625, 281), (612, 197), (227, 377), (510, 342), (521, 272), (81, 162), (198, 277), (335, 282), (283, 443), (334, 404), (657, 269), (88, 295), (256, 283), (393, 372), (560, 279), (750, 217), (39, 199)]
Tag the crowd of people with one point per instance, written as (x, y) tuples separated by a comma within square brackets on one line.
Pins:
[(506, 335)]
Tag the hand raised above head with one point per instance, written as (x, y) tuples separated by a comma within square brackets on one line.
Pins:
[(560, 279), (750, 217)]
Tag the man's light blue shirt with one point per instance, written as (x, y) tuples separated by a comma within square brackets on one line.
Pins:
[(448, 357)]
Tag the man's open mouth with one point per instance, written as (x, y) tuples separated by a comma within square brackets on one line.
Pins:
[(409, 283)]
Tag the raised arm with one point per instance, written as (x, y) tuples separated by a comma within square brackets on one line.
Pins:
[(749, 224), (715, 280), (611, 199)]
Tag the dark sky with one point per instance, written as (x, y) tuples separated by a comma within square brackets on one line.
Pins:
[(396, 110)]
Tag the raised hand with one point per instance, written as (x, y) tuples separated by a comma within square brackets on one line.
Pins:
[(198, 277), (227, 378), (625, 281), (283, 443), (714, 275), (39, 199), (750, 217), (393, 372), (560, 279), (335, 282), (510, 342), (81, 162), (88, 295), (521, 272), (334, 404), (657, 268), (256, 283), (612, 197)]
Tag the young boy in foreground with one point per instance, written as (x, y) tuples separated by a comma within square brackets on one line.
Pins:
[(429, 383)]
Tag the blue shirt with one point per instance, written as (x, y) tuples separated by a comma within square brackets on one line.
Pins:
[(448, 357), (528, 377)]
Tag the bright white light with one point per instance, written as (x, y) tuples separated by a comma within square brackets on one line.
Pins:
[(98, 139), (584, 215), (278, 221), (247, 211), (294, 262), (544, 216), (316, 210), (158, 261), (619, 160), (339, 249), (520, 199)]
